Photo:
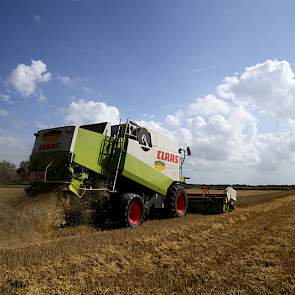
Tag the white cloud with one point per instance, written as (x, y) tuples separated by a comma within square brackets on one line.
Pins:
[(25, 79), (207, 106), (13, 149), (278, 149), (196, 122), (223, 130), (3, 113), (85, 112), (268, 87), (5, 98), (41, 125), (221, 144), (66, 80), (224, 138), (9, 141), (184, 136), (172, 120), (156, 126)]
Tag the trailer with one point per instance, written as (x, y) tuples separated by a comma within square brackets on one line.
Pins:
[(216, 202), (124, 172)]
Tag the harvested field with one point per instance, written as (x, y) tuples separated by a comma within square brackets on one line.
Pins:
[(248, 251)]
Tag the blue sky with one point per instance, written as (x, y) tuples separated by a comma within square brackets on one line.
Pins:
[(150, 59)]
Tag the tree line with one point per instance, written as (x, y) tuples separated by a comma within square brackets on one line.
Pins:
[(8, 171), (241, 186)]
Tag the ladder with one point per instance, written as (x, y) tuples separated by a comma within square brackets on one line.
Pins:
[(118, 146)]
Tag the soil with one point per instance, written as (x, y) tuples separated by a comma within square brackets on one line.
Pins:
[(248, 251)]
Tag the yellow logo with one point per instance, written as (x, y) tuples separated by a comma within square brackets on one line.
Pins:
[(51, 136), (159, 165)]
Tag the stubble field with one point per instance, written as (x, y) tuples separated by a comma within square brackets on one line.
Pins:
[(248, 251)]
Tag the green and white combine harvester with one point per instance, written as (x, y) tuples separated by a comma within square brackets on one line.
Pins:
[(123, 172)]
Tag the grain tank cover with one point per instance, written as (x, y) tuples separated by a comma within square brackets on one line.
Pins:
[(55, 139)]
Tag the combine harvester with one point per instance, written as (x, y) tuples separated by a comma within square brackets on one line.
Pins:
[(123, 172)]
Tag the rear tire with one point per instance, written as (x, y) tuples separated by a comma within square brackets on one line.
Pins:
[(133, 210), (177, 201)]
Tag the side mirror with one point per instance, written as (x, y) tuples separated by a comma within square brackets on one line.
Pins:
[(188, 150)]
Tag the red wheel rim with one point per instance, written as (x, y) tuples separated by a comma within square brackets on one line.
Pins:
[(134, 213), (180, 204)]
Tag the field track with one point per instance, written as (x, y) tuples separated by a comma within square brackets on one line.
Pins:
[(248, 251)]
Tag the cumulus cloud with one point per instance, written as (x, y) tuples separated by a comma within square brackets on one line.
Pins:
[(278, 148), (224, 138), (227, 136), (89, 111), (25, 79), (268, 87), (223, 130), (172, 120), (208, 105), (156, 126)]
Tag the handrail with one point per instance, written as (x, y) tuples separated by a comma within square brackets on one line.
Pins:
[(120, 155)]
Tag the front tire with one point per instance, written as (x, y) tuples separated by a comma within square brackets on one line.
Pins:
[(177, 200), (133, 210)]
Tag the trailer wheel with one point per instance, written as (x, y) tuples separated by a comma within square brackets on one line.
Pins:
[(133, 210), (177, 200)]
